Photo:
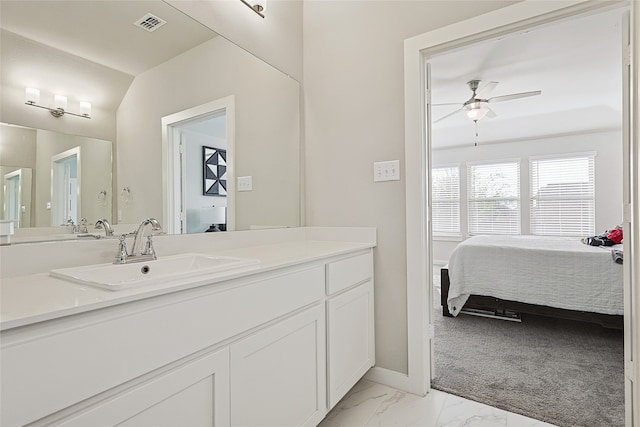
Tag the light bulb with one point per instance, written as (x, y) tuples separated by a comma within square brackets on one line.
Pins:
[(85, 108), (60, 102), (32, 95), (477, 114)]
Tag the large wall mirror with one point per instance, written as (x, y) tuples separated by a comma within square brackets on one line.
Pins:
[(134, 78)]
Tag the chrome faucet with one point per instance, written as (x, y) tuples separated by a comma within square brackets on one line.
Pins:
[(137, 253), (104, 223), (137, 242)]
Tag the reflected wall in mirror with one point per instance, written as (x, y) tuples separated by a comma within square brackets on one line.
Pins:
[(41, 171), (62, 47)]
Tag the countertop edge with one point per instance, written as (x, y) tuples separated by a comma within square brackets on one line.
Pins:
[(186, 284)]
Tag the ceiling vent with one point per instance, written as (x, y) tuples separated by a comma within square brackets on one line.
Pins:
[(150, 22)]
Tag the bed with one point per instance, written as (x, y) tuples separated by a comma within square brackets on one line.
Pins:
[(560, 277)]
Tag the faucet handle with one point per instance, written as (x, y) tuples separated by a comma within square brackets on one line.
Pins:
[(148, 248), (121, 256), (83, 226)]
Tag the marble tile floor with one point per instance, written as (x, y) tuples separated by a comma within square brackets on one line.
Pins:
[(369, 404)]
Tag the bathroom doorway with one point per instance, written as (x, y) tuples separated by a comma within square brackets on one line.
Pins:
[(65, 187), (198, 172), (17, 197), (515, 18)]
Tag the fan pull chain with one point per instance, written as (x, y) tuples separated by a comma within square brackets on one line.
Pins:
[(475, 144)]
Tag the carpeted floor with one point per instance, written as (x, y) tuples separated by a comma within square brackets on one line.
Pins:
[(562, 372)]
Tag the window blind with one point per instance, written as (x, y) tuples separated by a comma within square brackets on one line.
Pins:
[(563, 196), (494, 198), (445, 200)]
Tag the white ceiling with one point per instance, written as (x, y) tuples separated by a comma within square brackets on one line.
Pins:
[(103, 31), (89, 50), (576, 64)]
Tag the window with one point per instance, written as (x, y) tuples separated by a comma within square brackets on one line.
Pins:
[(445, 202), (562, 196), (494, 198)]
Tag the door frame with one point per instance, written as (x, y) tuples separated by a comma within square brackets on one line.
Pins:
[(55, 178), (171, 162), (507, 20), (24, 179)]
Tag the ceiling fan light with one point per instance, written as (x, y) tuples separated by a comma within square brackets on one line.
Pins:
[(476, 114)]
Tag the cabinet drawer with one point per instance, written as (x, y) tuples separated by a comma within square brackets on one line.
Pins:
[(348, 272)]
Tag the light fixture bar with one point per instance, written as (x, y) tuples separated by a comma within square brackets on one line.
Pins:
[(32, 98), (258, 6)]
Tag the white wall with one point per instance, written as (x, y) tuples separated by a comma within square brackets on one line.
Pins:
[(608, 173), (276, 38), (95, 158), (17, 150), (353, 83), (267, 130), (43, 64)]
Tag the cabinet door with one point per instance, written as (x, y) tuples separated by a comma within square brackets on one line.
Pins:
[(278, 373), (194, 394), (350, 341)]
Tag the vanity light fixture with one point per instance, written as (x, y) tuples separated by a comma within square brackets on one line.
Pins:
[(258, 6), (32, 97)]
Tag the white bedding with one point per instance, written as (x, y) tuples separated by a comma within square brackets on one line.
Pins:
[(556, 272)]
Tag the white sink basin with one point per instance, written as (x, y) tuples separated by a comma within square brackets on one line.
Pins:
[(123, 276)]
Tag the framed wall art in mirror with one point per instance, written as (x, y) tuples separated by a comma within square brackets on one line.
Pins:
[(214, 171)]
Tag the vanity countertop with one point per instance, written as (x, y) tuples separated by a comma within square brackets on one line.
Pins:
[(33, 298)]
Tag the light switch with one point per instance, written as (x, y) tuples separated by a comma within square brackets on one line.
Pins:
[(386, 171), (245, 183)]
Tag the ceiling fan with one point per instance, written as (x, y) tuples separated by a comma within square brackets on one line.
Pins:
[(477, 107)]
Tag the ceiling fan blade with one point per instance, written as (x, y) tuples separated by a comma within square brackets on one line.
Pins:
[(514, 96), (449, 103), (448, 115), (485, 90)]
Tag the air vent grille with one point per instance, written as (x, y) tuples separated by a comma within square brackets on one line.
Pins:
[(150, 22)]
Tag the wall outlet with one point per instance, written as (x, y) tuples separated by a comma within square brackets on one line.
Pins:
[(245, 183), (119, 215), (48, 205), (386, 171)]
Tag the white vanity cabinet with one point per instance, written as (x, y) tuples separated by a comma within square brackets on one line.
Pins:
[(350, 323), (57, 370), (277, 347), (193, 394), (278, 374)]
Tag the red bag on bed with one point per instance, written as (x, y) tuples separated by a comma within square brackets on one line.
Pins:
[(615, 236)]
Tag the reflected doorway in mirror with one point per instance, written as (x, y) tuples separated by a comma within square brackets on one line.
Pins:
[(199, 150), (65, 187)]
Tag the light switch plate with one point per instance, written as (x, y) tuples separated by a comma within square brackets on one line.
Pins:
[(245, 183), (386, 171)]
